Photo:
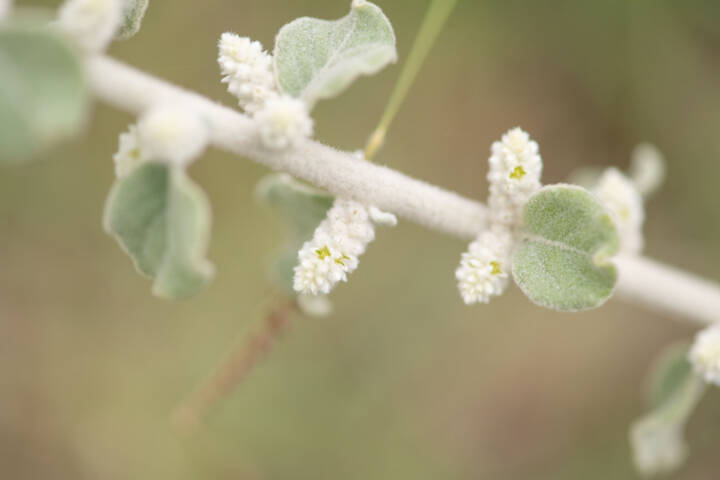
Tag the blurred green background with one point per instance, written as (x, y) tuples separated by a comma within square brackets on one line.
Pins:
[(403, 381)]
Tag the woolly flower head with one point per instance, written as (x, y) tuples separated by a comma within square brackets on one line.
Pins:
[(705, 354), (621, 197), (130, 154), (92, 24), (172, 134), (484, 268), (284, 122), (515, 169), (334, 249), (248, 71), (658, 447)]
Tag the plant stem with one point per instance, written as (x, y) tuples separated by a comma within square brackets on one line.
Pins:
[(435, 18), (650, 283), (233, 370)]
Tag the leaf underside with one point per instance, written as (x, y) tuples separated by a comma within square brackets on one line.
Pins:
[(162, 220)]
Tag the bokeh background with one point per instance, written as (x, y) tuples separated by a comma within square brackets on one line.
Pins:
[(403, 381)]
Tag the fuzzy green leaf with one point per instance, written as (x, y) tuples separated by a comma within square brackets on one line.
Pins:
[(162, 220), (317, 59), (303, 207), (671, 369), (133, 13), (563, 260), (42, 91)]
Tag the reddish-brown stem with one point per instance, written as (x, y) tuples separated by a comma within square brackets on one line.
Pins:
[(233, 369)]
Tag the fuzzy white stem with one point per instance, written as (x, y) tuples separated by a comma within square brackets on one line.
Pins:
[(668, 289), (641, 280), (340, 173)]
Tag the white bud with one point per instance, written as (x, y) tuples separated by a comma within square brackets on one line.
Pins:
[(647, 168), (514, 175), (92, 24), (484, 270), (705, 354), (625, 203), (284, 122), (384, 219), (172, 134)]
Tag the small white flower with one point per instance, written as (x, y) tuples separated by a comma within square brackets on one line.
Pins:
[(658, 446), (129, 154), (92, 24), (283, 122), (647, 168), (625, 203), (172, 134), (248, 71), (514, 175), (334, 249), (705, 354), (485, 267)]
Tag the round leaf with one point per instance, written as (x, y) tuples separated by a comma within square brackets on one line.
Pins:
[(162, 220), (42, 91), (563, 259), (317, 59)]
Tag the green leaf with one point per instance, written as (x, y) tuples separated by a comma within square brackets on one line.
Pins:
[(303, 207), (317, 59), (563, 259), (658, 437), (162, 220), (133, 13), (671, 369), (42, 91)]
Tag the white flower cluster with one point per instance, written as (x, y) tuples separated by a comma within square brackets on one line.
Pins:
[(92, 24), (705, 354), (658, 446), (333, 251), (622, 198), (515, 168), (484, 270), (248, 71), (166, 134)]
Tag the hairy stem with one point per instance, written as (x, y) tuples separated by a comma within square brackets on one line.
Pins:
[(645, 281), (233, 370), (435, 19)]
